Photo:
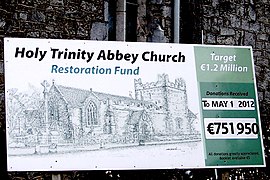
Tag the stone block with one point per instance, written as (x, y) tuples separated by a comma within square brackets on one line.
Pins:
[(261, 84), (263, 20), (26, 26), (38, 16), (215, 29), (55, 35), (240, 11), (207, 24), (245, 25), (82, 32), (260, 96), (260, 45), (2, 23), (235, 21), (210, 39), (249, 39), (99, 31), (166, 11), (33, 34), (57, 2), (257, 71), (267, 95), (215, 3), (158, 35), (255, 27), (267, 54), (44, 35), (264, 37), (252, 13), (214, 21), (257, 53), (208, 11), (23, 16), (225, 40), (227, 31), (262, 62), (50, 28)]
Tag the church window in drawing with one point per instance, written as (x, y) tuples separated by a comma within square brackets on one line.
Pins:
[(91, 114)]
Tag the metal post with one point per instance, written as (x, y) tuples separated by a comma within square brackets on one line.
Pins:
[(202, 37), (176, 18), (216, 174), (121, 20)]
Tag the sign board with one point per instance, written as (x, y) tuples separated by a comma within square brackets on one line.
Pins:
[(85, 105)]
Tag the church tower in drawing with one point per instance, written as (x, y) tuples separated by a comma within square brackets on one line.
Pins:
[(171, 98)]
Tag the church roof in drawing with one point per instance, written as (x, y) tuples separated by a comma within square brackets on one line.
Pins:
[(75, 97)]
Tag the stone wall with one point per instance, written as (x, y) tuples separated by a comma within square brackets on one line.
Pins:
[(244, 23), (155, 21)]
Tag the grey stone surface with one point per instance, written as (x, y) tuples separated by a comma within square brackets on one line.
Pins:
[(2, 23), (158, 35), (23, 16), (227, 31), (252, 14), (251, 24), (57, 2), (38, 16), (99, 31), (167, 11)]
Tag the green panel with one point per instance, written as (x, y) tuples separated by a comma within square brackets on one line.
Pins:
[(233, 152), (245, 91), (223, 64), (222, 147), (227, 72)]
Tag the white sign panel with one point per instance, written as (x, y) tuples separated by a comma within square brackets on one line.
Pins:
[(85, 105)]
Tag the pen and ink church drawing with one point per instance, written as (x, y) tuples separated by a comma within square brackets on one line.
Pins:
[(158, 113)]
